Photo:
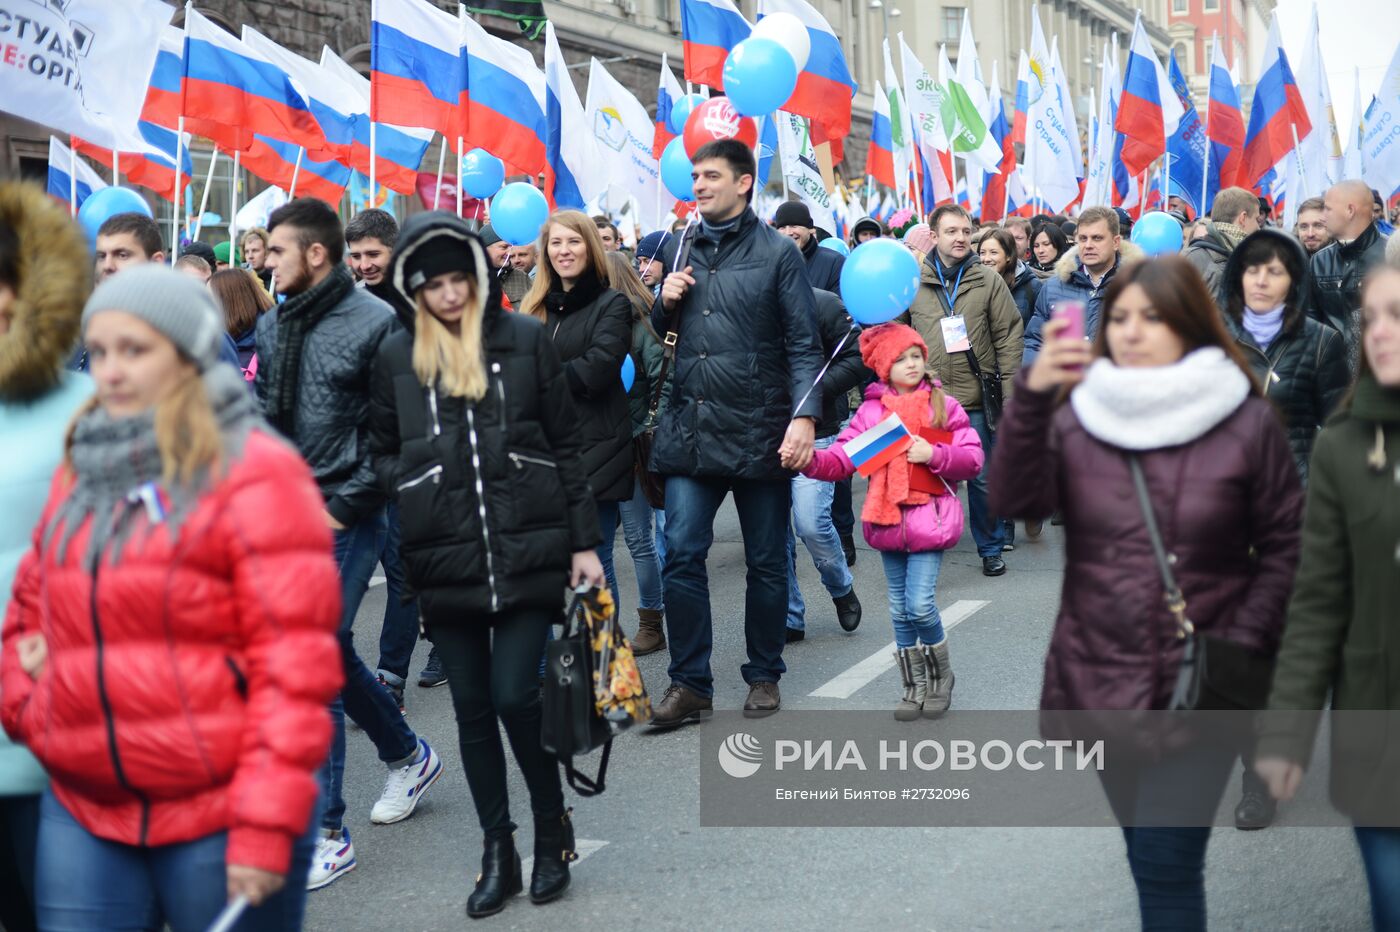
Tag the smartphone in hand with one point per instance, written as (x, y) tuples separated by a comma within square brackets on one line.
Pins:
[(1073, 313)]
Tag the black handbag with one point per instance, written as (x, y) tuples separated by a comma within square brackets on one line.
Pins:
[(1215, 674), (654, 486), (992, 399)]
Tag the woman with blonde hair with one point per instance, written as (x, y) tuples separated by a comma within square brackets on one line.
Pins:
[(473, 429), (590, 324), (144, 660)]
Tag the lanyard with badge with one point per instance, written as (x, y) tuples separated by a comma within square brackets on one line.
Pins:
[(955, 339)]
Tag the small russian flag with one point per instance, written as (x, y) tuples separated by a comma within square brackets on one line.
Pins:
[(878, 445)]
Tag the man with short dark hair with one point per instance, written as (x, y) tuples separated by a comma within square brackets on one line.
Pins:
[(1020, 230), (1378, 214), (794, 220), (1339, 267), (315, 355), (125, 240), (742, 417), (966, 315), (611, 235), (369, 239), (1233, 216), (1311, 227)]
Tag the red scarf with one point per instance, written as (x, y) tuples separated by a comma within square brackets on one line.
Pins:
[(889, 487)]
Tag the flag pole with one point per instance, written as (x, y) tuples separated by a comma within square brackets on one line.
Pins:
[(296, 172), (459, 176), (204, 198), (1302, 173), (442, 160), (116, 178), (233, 216), (1142, 194), (175, 213), (72, 178), (1166, 180), (1205, 162)]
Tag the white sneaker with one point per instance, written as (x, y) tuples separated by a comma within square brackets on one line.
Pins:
[(406, 786), (332, 859)]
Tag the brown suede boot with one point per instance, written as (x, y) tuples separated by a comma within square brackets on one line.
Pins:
[(650, 636)]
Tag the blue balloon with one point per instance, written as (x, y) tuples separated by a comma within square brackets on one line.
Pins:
[(675, 170), (835, 244), (878, 281), (482, 173), (106, 203), (518, 212), (1157, 233), (759, 76), (629, 372), (680, 111)]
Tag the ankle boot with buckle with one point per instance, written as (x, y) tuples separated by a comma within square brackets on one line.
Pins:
[(651, 637), (940, 679), (499, 879), (912, 670), (554, 849)]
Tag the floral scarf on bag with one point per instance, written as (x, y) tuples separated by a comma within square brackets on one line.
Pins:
[(889, 486)]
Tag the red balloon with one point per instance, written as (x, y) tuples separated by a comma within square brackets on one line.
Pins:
[(715, 119)]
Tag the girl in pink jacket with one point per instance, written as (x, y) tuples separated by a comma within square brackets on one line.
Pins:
[(911, 528)]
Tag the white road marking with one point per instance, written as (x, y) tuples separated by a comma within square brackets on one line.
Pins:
[(376, 581), (584, 847), (846, 684)]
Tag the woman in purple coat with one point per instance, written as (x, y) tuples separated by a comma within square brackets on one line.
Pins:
[(1162, 382)]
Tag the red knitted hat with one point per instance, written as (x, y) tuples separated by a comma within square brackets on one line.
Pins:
[(881, 345)]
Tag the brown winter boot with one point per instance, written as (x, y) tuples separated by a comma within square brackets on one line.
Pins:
[(940, 679), (911, 670), (650, 637)]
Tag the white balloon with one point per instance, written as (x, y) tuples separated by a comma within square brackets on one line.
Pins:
[(789, 32)]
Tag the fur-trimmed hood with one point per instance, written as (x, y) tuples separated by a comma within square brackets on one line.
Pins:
[(1129, 253), (55, 278)]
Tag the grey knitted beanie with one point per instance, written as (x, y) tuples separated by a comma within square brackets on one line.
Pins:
[(178, 306)]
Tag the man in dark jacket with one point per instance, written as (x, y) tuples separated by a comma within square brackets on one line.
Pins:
[(743, 416), (794, 221), (315, 354), (864, 230), (1339, 267), (514, 283), (1233, 216), (811, 498)]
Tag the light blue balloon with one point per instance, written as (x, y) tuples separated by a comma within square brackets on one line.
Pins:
[(482, 173), (835, 244), (675, 170), (518, 212), (878, 281), (680, 111), (629, 372), (1157, 233), (759, 76), (106, 203)]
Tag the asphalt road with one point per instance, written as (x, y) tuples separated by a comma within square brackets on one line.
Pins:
[(648, 864)]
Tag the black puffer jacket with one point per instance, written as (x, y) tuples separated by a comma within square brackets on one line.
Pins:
[(1025, 289), (493, 497), (748, 351), (1337, 271), (1210, 255), (591, 328), (823, 266), (844, 372), (1304, 370), (332, 408)]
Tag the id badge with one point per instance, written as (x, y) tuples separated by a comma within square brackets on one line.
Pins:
[(955, 334)]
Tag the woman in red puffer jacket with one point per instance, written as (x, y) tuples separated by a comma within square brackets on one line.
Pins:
[(170, 649)]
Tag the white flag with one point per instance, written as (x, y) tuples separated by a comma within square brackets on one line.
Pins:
[(1322, 151), (1380, 152), (901, 128), (624, 132), (1351, 157), (1052, 167), (1067, 109), (925, 101), (83, 66), (804, 176)]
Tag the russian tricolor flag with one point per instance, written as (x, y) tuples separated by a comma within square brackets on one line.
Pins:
[(232, 90), (149, 159), (398, 150), (709, 29), (335, 106), (571, 176), (1149, 110), (162, 105), (60, 183), (877, 446), (274, 161), (505, 101), (667, 93), (1278, 112), (824, 85), (1224, 124), (879, 160), (994, 196), (417, 67)]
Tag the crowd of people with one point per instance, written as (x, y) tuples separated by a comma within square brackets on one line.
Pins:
[(177, 669)]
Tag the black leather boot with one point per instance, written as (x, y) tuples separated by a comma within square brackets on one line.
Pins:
[(1257, 808), (499, 879), (554, 849)]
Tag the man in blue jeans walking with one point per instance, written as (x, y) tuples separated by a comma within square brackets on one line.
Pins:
[(315, 354), (740, 314)]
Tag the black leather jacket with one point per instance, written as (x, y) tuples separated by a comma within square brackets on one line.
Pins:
[(1337, 271), (844, 372)]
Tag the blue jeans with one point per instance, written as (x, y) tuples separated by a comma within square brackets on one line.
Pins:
[(400, 632), (87, 884), (691, 504), (1168, 867), (1380, 852), (608, 514), (811, 513), (642, 544), (912, 580), (357, 550), (987, 531)]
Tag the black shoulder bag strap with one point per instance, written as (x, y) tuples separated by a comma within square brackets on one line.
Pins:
[(971, 355), (673, 322)]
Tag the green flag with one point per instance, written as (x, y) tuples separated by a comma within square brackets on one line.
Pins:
[(529, 14)]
